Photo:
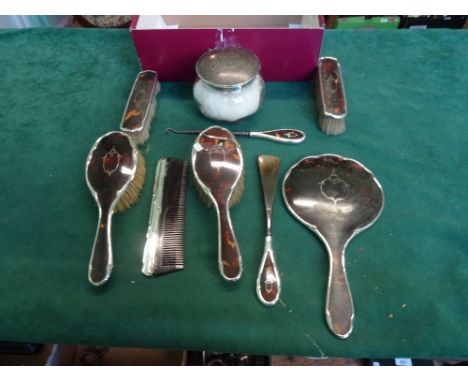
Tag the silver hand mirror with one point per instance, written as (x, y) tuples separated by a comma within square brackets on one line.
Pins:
[(336, 198)]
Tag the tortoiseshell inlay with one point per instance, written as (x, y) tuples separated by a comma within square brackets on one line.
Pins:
[(269, 281), (283, 133), (111, 161), (334, 188), (289, 134)]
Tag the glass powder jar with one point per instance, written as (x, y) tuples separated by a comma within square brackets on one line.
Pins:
[(229, 85)]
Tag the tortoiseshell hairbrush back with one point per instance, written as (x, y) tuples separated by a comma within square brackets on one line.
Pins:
[(115, 174)]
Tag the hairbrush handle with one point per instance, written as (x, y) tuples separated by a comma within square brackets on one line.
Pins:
[(339, 308), (229, 257), (100, 265)]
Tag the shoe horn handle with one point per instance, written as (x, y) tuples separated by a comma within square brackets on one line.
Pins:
[(100, 265), (268, 280), (229, 257)]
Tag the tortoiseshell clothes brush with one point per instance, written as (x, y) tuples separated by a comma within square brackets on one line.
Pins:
[(330, 96), (115, 174), (141, 106)]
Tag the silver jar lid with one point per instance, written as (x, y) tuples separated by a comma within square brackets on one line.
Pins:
[(228, 67)]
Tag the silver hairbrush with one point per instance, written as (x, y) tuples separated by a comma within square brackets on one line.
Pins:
[(164, 248)]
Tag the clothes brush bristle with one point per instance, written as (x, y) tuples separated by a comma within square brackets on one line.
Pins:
[(142, 136), (332, 126)]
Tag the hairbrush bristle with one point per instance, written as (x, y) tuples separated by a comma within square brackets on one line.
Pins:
[(203, 195), (238, 191), (132, 193), (235, 197)]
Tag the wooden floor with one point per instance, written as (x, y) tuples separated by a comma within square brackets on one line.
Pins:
[(304, 361), (92, 355), (69, 355)]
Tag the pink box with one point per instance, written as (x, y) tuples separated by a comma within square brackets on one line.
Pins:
[(288, 46)]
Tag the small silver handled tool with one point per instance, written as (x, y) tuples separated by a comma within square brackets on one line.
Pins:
[(268, 280), (292, 136)]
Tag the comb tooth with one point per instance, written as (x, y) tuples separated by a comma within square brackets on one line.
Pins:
[(169, 251), (174, 251), (172, 263), (172, 246), (175, 258)]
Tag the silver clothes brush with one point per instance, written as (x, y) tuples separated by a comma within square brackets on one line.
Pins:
[(330, 96), (141, 106), (268, 280), (164, 248), (281, 135)]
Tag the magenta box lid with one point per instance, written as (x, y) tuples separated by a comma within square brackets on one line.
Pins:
[(286, 54)]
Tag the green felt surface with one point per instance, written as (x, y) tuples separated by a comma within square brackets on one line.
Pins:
[(407, 96)]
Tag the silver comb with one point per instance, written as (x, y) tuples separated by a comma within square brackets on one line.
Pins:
[(164, 248), (330, 96)]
